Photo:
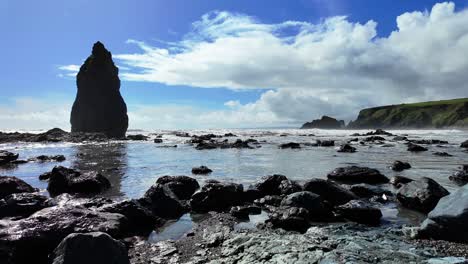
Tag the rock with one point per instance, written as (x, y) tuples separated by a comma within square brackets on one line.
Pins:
[(138, 137), (290, 219), (399, 181), (277, 184), (272, 200), (464, 144), (360, 212), (347, 148), (429, 141), (380, 132), (325, 143), (44, 158), (65, 180), (460, 177), (416, 148), (447, 221), (400, 138), (183, 187), (312, 202), (90, 248), (354, 174), (290, 145), (421, 195), (442, 154), (202, 145), (325, 122), (400, 165), (98, 106), (7, 157), (216, 196), (374, 138), (22, 204), (251, 194), (163, 202), (53, 135), (10, 185), (366, 190), (201, 170), (32, 239), (229, 135), (243, 212), (158, 140), (329, 191)]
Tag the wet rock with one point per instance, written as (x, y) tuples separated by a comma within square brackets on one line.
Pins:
[(399, 181), (347, 148), (447, 221), (353, 140), (416, 148), (98, 106), (53, 135), (400, 138), (355, 174), (90, 248), (429, 141), (379, 132), (421, 195), (367, 190), (182, 134), (310, 201), (374, 138), (163, 202), (65, 180), (360, 212), (23, 204), (10, 185), (460, 177), (45, 158), (277, 184), (272, 200), (329, 191), (202, 145), (138, 137), (442, 154), (182, 186), (251, 194), (158, 140), (243, 212), (290, 145), (7, 157), (229, 135), (32, 239), (290, 219), (201, 170), (325, 143), (464, 144), (400, 166), (216, 196)]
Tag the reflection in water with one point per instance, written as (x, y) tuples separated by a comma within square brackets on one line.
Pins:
[(108, 159)]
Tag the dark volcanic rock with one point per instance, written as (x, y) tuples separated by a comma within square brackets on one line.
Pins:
[(359, 212), (347, 148), (98, 106), (416, 148), (32, 239), (291, 145), (312, 202), (421, 195), (65, 180), (460, 177), (162, 201), (325, 122), (182, 186), (400, 165), (201, 170), (7, 157), (329, 191), (277, 184), (217, 196), (399, 181), (354, 174), (90, 248), (10, 185), (22, 204)]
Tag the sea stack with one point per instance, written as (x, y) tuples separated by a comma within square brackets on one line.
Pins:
[(99, 106)]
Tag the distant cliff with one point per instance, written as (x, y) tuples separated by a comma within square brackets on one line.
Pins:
[(436, 114), (325, 122)]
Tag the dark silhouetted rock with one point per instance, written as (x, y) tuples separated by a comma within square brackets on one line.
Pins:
[(329, 191), (460, 177), (158, 140), (325, 122), (290, 145), (201, 170), (360, 212), (217, 196), (429, 141), (464, 144), (421, 195), (354, 174), (45, 158), (182, 186), (22, 204), (325, 143), (65, 180), (138, 137), (347, 148), (90, 248), (367, 190), (416, 148), (98, 106), (442, 154), (400, 138), (277, 184), (310, 201), (7, 157), (10, 185), (400, 165), (399, 181), (162, 201), (374, 138)]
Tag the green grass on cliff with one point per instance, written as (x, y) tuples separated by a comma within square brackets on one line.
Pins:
[(433, 103)]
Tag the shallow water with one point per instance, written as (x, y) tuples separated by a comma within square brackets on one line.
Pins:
[(132, 166)]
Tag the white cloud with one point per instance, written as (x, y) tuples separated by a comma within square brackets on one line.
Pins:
[(70, 70)]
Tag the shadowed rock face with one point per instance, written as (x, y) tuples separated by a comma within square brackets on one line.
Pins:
[(98, 106)]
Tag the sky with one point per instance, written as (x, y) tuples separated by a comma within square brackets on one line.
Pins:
[(233, 63)]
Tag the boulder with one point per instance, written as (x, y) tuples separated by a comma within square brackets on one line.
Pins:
[(137, 137), (45, 158), (355, 174), (271, 200), (99, 106), (460, 177), (447, 221), (421, 195), (325, 143), (277, 184), (65, 180), (360, 212), (217, 196), (399, 181), (201, 170), (10, 185), (366, 190), (310, 201), (243, 212), (325, 122), (158, 140), (374, 138), (23, 204), (290, 219), (163, 202), (291, 145), (90, 248), (329, 191), (429, 141), (347, 148), (416, 148), (400, 138), (183, 187), (7, 157), (400, 165), (464, 144)]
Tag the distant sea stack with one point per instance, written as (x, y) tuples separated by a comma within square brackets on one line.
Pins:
[(325, 122), (99, 106), (436, 114)]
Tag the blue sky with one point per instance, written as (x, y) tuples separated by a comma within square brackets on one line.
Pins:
[(214, 66)]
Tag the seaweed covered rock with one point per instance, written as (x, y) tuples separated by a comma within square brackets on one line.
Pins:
[(98, 106)]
